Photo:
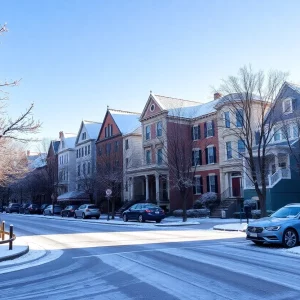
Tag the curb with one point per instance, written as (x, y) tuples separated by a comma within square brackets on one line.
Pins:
[(222, 229), (16, 255)]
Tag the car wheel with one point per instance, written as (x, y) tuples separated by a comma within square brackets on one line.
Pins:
[(83, 216), (290, 238), (158, 221), (68, 214), (125, 219), (44, 213), (141, 219), (97, 218), (62, 215), (258, 243), (75, 217)]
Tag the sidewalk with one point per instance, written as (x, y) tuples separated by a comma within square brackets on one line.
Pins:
[(17, 251)]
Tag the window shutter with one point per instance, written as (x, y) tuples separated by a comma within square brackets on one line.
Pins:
[(206, 155), (205, 129), (216, 183), (294, 104), (207, 184), (215, 154), (200, 157), (199, 132), (194, 186), (201, 185), (213, 127), (192, 133), (193, 158), (257, 136)]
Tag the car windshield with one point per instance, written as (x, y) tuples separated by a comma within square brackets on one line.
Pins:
[(287, 212)]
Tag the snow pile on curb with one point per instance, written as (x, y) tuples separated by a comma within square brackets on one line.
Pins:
[(295, 250), (231, 227)]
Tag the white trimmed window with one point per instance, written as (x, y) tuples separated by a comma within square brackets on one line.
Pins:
[(148, 157), (210, 155), (209, 129), (277, 134), (212, 183), (287, 106), (147, 132), (228, 150), (159, 156), (198, 187), (159, 128)]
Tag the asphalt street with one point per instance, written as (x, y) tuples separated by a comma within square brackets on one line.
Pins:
[(71, 259)]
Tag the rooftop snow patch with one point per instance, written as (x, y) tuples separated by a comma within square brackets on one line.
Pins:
[(172, 103), (93, 128), (126, 121), (194, 111)]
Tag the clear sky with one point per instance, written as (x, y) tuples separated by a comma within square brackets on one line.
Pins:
[(77, 57)]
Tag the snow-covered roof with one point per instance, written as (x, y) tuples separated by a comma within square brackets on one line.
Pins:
[(93, 128), (69, 139), (194, 111), (294, 86), (126, 121), (236, 97), (172, 103), (55, 146), (37, 161), (74, 196)]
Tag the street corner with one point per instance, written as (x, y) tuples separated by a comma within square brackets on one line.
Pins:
[(16, 252)]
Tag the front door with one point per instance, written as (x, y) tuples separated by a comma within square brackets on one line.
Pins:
[(236, 186)]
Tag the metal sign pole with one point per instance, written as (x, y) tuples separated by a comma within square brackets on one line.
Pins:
[(108, 194)]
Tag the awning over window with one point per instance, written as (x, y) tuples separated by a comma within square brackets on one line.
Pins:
[(74, 196)]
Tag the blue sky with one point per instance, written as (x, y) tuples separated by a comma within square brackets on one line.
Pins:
[(77, 57)]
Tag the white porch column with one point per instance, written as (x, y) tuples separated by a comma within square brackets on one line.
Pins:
[(276, 161), (168, 187), (147, 187), (157, 187), (132, 188)]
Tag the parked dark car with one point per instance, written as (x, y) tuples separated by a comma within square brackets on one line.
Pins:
[(23, 207), (144, 212), (51, 210), (13, 207), (43, 206), (69, 211), (32, 209)]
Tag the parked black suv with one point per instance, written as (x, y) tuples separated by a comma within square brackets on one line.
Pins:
[(13, 207), (23, 207)]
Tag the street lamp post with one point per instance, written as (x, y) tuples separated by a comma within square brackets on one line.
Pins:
[(108, 195)]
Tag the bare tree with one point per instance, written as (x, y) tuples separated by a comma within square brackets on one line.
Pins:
[(250, 98), (13, 162), (110, 173), (21, 126), (177, 147)]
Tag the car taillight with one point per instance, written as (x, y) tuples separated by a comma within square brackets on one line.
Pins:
[(147, 210), (87, 209)]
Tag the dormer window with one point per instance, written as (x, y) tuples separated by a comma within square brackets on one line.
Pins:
[(287, 106)]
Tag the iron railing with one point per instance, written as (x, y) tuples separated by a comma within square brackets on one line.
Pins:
[(10, 234)]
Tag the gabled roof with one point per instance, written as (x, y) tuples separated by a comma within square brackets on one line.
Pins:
[(55, 145), (171, 103), (125, 120), (294, 86), (92, 129), (69, 140), (194, 111)]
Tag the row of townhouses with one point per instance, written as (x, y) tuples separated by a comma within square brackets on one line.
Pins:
[(128, 152)]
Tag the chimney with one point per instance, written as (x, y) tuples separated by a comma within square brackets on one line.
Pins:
[(61, 133), (28, 152), (217, 96)]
